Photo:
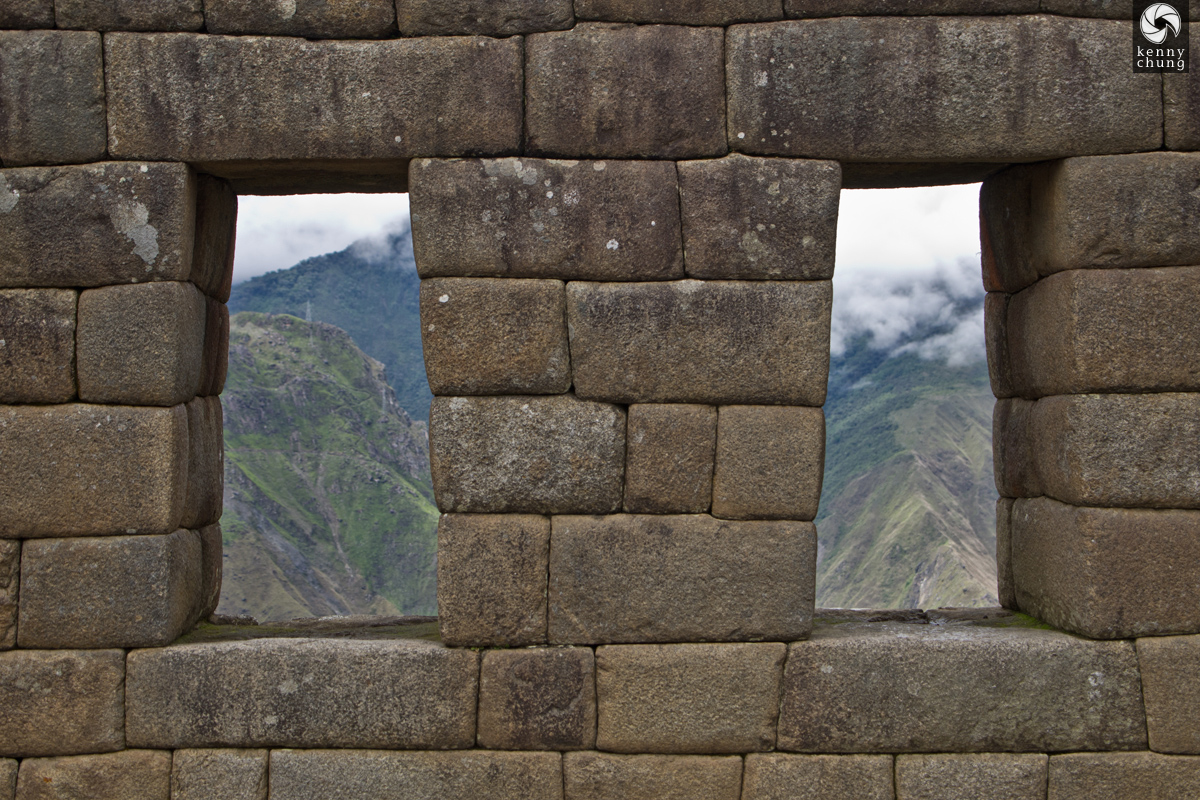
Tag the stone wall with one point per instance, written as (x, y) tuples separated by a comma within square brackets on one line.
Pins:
[(624, 217)]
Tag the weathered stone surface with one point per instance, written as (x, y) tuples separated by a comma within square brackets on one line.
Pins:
[(774, 776), (603, 776), (1107, 573), (770, 462), (622, 91), (61, 702), (715, 342), (626, 578), (537, 218), (84, 470), (669, 452), (539, 699), (674, 12), (806, 9), (16, 14), (1012, 448), (759, 218), (8, 779), (10, 582), (980, 776), (110, 591), (1181, 109), (51, 98), (303, 693), (1082, 776), (376, 775), (216, 232), (128, 775), (95, 224), (211, 568), (541, 455), (688, 698), (958, 687), (483, 17), (1006, 592), (995, 331), (315, 19), (215, 365), (219, 773), (494, 336), (206, 463), (142, 344), (132, 15), (1109, 9), (179, 96), (1171, 687), (37, 345), (880, 104), (492, 579)]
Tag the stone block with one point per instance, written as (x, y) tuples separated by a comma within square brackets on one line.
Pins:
[(1181, 109), (626, 578), (211, 99), (37, 345), (770, 462), (85, 470), (10, 582), (110, 591), (16, 14), (623, 91), (96, 224), (809, 9), (314, 19), (1013, 448), (1081, 776), (51, 99), (1005, 590), (714, 342), (538, 699), (355, 693), (206, 463), (759, 218), (995, 331), (669, 452), (61, 702), (495, 336), (8, 779), (131, 15), (376, 775), (492, 579), (604, 776), (216, 233), (1171, 687), (207, 774), (480, 18), (539, 455), (980, 776), (673, 12), (1107, 573), (958, 687), (142, 344), (537, 218), (775, 776), (215, 366), (211, 568), (128, 775), (879, 105), (688, 698)]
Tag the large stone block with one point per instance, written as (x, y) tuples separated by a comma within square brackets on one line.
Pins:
[(206, 463), (669, 452), (216, 233), (623, 91), (774, 776), (495, 336), (142, 344), (1006, 592), (17, 14), (51, 99), (219, 773), (673, 12), (483, 17), (1181, 109), (215, 366), (770, 462), (314, 19), (541, 455), (995, 331), (538, 699), (352, 693), (37, 345), (807, 9), (537, 218), (128, 775), (61, 702), (1107, 573), (688, 698), (603, 776), (85, 470), (10, 582), (1171, 687), (97, 224), (760, 218), (228, 98), (211, 568), (377, 775), (626, 578), (958, 687), (1125, 776), (980, 776), (110, 591), (8, 779), (132, 15), (492, 579), (715, 342), (881, 104), (1013, 446)]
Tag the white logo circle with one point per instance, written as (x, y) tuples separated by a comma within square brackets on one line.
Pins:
[(1157, 20)]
